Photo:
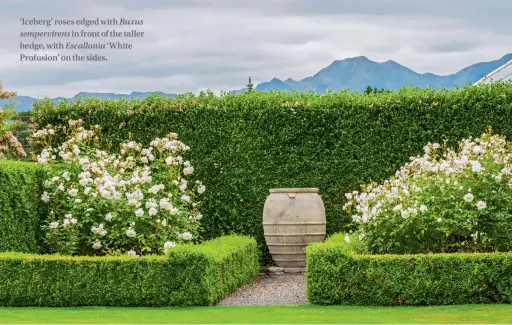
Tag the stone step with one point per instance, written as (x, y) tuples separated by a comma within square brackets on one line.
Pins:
[(274, 270)]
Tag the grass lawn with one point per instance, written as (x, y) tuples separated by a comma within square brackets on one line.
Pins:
[(306, 314)]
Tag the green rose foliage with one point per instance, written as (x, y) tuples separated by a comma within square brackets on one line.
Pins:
[(443, 201), (137, 202)]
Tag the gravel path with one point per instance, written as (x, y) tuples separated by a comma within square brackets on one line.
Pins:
[(285, 289)]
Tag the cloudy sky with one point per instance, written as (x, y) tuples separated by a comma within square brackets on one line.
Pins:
[(191, 45)]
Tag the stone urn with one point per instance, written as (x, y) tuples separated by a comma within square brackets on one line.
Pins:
[(292, 219)]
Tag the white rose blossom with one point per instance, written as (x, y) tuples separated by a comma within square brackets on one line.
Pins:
[(188, 170), (133, 253), (481, 205), (73, 192), (97, 244), (168, 245), (45, 197), (468, 197), (130, 232)]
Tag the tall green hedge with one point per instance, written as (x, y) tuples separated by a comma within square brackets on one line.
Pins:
[(337, 274), (20, 210), (198, 275), (243, 145)]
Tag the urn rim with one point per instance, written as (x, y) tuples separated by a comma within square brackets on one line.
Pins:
[(294, 190)]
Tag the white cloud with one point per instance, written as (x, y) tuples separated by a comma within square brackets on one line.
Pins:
[(197, 44)]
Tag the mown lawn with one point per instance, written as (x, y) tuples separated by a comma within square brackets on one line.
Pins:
[(306, 314)]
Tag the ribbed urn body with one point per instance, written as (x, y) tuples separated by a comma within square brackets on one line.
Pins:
[(292, 219)]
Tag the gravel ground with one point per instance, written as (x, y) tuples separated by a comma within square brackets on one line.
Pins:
[(285, 289)]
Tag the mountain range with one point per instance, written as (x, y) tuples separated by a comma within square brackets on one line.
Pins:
[(24, 103), (355, 74)]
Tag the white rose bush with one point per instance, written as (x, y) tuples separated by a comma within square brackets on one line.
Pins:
[(443, 201), (137, 202)]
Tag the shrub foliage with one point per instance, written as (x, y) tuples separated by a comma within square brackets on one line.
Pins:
[(10, 147), (443, 201), (245, 144), (190, 275), (138, 202), (21, 213), (337, 273)]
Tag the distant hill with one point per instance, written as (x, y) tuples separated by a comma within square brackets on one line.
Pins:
[(355, 74), (358, 73), (24, 103)]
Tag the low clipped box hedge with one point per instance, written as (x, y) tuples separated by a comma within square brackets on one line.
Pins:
[(341, 273), (243, 145), (190, 275)]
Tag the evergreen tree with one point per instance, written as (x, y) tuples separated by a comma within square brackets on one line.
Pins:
[(250, 86), (369, 90)]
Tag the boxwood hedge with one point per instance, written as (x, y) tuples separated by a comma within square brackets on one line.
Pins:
[(339, 273), (20, 210), (243, 145), (191, 275)]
